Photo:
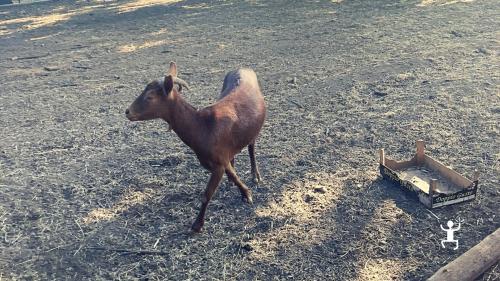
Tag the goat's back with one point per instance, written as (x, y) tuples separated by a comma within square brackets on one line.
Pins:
[(239, 112), (242, 77)]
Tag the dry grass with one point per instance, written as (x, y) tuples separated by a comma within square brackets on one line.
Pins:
[(443, 2), (133, 47), (86, 195), (139, 4), (130, 199), (62, 14)]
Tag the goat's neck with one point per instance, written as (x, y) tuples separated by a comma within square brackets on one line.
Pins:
[(184, 121)]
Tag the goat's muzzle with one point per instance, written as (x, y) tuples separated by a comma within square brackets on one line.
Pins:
[(130, 116)]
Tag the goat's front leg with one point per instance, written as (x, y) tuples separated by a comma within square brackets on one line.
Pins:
[(212, 185)]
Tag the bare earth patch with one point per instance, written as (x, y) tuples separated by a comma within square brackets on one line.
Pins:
[(87, 195)]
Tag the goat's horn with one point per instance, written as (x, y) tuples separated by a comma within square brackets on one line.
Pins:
[(181, 83)]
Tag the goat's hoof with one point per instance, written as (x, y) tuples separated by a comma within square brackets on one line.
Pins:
[(257, 180), (197, 227), (248, 199)]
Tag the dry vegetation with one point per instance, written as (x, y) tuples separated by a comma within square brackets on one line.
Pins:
[(84, 194)]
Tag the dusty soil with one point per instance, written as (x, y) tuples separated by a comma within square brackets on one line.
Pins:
[(79, 183)]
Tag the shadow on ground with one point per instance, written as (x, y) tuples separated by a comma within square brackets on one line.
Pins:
[(341, 78)]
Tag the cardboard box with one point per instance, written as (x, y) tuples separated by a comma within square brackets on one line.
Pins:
[(434, 184)]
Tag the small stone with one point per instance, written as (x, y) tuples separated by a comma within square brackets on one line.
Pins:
[(483, 51), (50, 68), (379, 93), (247, 247), (320, 189), (390, 114)]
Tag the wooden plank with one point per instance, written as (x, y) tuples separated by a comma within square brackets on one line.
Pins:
[(472, 263), (399, 165), (432, 186), (382, 156), (420, 152), (448, 173)]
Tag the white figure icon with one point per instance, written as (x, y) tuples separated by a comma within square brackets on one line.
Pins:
[(449, 234)]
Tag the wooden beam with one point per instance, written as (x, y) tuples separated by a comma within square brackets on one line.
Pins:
[(472, 263)]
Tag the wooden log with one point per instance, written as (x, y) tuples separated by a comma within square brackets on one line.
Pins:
[(472, 263)]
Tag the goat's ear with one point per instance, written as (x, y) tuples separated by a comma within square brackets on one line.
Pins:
[(172, 69), (168, 84)]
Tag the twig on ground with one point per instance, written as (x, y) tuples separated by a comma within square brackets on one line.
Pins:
[(78, 250), (129, 251), (156, 243), (31, 57), (434, 215), (296, 103)]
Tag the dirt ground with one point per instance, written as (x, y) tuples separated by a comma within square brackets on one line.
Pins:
[(83, 191)]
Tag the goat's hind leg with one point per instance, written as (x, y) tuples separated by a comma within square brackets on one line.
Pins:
[(227, 174), (244, 190), (255, 170)]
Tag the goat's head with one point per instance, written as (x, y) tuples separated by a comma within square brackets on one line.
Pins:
[(151, 103)]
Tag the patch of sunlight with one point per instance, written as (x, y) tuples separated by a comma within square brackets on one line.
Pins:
[(25, 71), (257, 3), (4, 31), (44, 37), (197, 6), (38, 21), (378, 234), (382, 223), (442, 2), (34, 22), (138, 4), (59, 14), (382, 269), (301, 207), (133, 47), (130, 199), (159, 32)]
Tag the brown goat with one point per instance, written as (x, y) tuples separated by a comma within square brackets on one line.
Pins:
[(215, 133)]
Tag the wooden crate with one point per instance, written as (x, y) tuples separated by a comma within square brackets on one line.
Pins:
[(434, 184)]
